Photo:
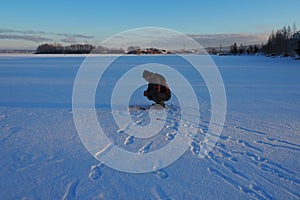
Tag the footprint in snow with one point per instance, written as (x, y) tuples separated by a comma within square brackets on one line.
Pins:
[(71, 190), (129, 140), (162, 174), (96, 172), (146, 148), (195, 147), (170, 136)]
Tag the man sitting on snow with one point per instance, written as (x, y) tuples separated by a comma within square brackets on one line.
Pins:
[(157, 90)]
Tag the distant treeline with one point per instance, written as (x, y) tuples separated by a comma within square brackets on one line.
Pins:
[(284, 42), (59, 49), (242, 49), (87, 48), (75, 49)]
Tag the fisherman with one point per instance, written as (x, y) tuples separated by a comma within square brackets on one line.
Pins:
[(158, 90)]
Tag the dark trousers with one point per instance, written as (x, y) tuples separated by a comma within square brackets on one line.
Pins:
[(156, 96)]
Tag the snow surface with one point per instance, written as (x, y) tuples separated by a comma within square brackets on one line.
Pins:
[(257, 155)]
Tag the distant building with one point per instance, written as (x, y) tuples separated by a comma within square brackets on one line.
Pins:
[(149, 51)]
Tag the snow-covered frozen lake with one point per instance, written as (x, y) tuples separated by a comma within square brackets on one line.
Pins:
[(257, 155)]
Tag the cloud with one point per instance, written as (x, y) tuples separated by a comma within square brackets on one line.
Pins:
[(33, 38), (69, 40), (42, 36), (214, 40), (67, 35), (206, 40), (172, 40), (22, 32)]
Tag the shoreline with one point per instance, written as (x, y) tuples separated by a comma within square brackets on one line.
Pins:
[(29, 55)]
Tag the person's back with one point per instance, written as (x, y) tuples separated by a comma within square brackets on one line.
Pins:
[(157, 90)]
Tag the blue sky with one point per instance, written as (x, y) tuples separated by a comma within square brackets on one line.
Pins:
[(25, 24)]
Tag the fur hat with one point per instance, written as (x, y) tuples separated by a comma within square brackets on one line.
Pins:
[(146, 73)]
